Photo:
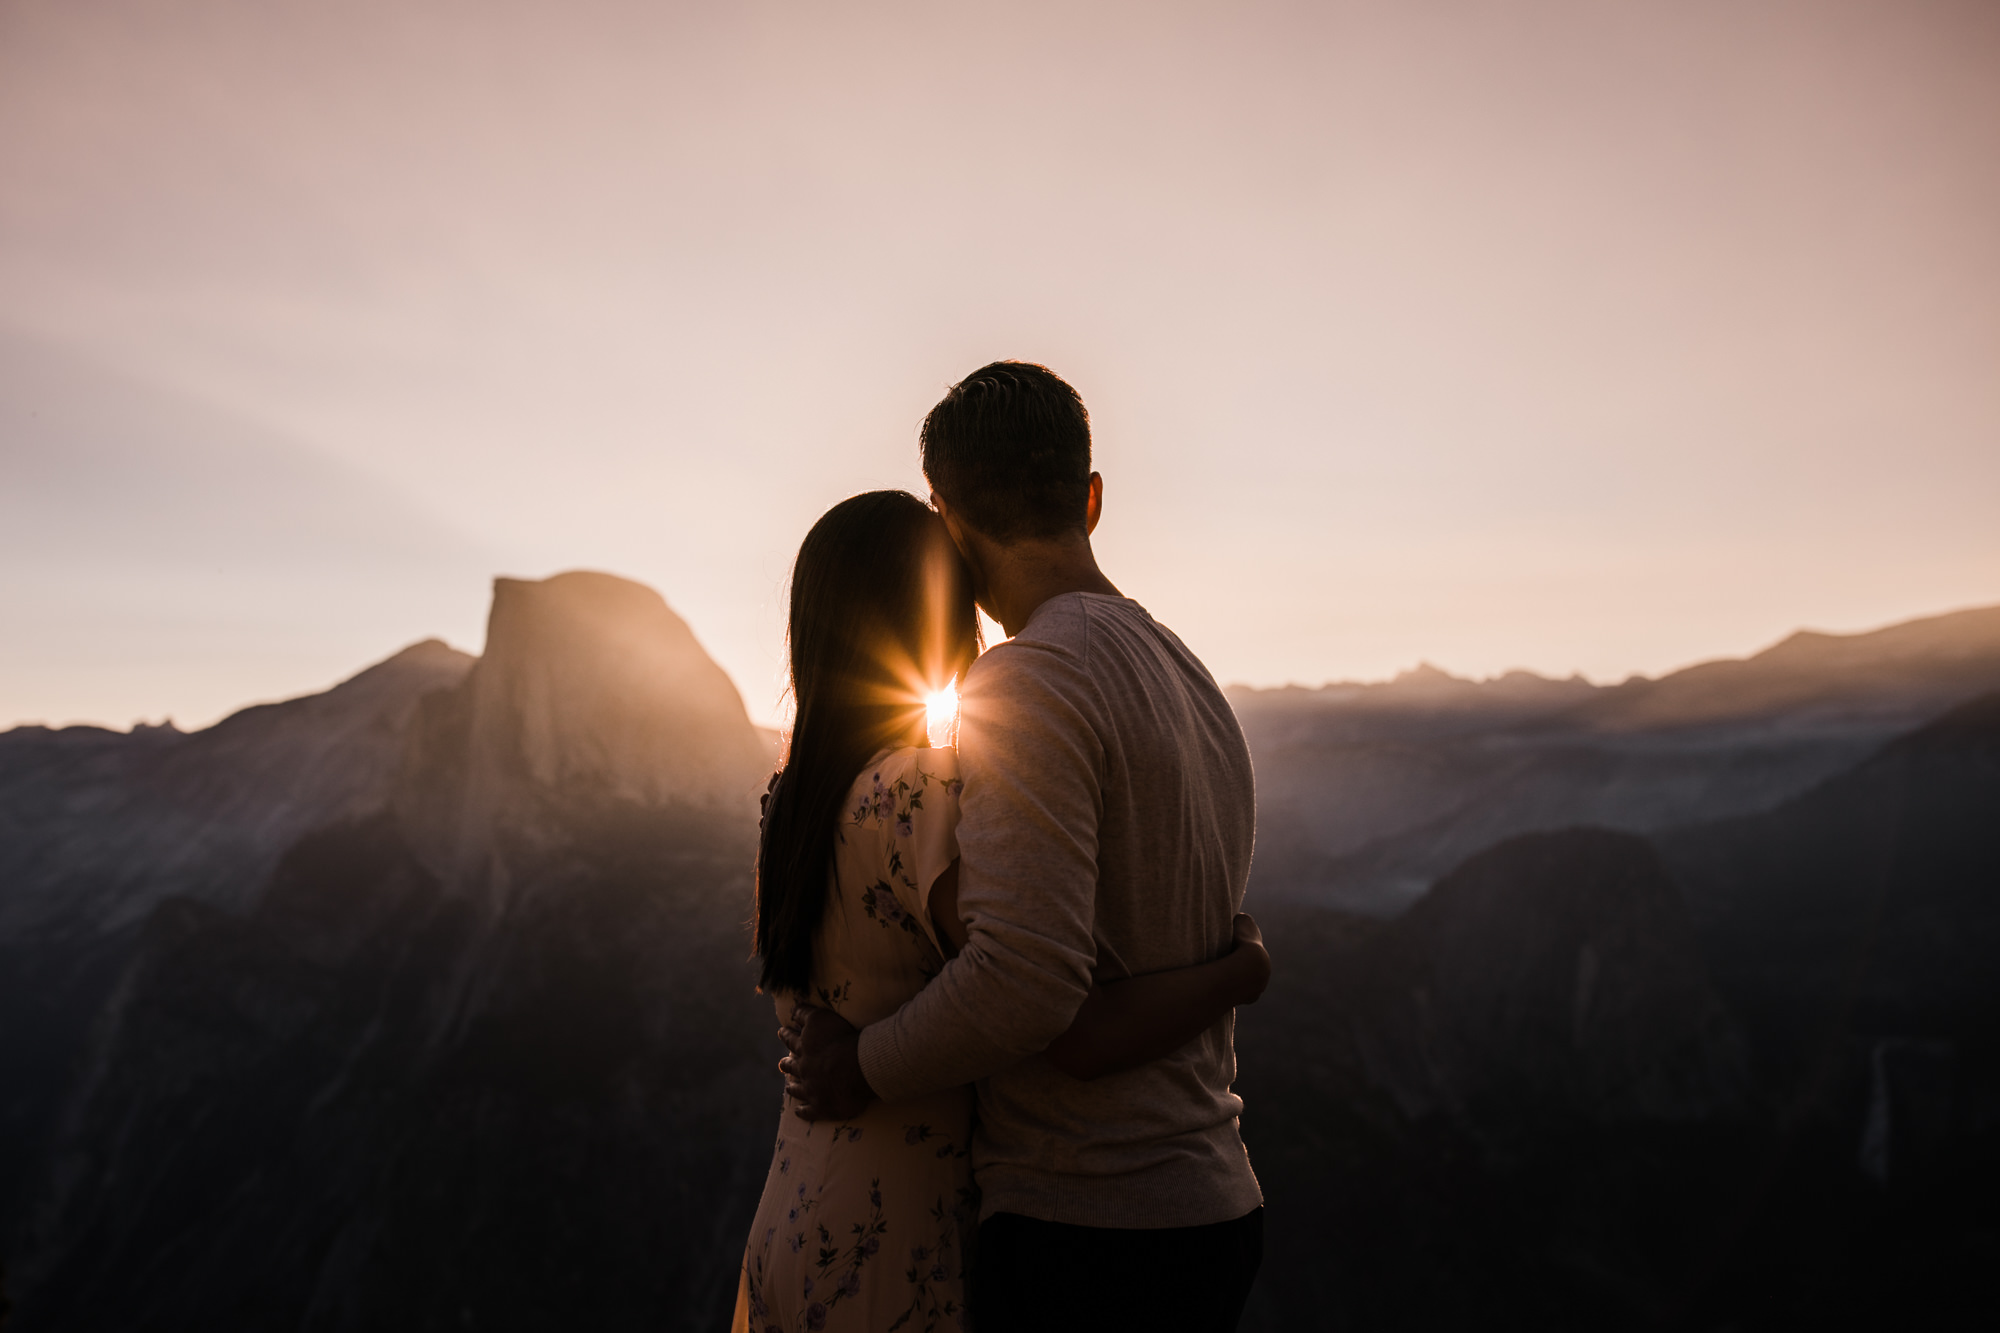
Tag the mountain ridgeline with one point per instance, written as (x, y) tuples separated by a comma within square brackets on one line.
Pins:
[(460, 1035), (423, 1003), (1368, 793)]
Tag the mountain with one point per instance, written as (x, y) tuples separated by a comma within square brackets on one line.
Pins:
[(1900, 673), (1368, 793), (482, 1049), (1866, 910), (1740, 1073), (1514, 1098), (97, 827), (424, 1002), (1556, 973), (593, 698)]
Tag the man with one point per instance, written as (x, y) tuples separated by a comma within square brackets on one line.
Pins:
[(1107, 821)]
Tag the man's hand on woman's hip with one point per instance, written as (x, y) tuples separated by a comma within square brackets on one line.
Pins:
[(823, 1072)]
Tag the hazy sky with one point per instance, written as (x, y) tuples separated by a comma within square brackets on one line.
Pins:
[(1582, 336)]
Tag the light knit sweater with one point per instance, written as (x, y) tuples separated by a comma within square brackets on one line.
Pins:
[(1107, 822)]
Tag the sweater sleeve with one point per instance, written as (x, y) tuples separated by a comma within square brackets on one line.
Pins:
[(1029, 813)]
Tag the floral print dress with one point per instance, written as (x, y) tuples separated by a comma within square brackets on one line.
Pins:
[(863, 1225)]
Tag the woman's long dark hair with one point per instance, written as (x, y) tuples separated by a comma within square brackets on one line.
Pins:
[(881, 614)]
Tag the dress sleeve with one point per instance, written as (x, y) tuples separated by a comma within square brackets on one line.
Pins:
[(923, 834)]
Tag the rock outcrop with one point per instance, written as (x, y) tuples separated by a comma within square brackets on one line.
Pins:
[(592, 702)]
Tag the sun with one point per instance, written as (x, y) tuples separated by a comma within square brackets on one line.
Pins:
[(941, 714)]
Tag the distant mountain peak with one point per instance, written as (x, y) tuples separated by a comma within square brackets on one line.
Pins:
[(591, 694), (1910, 668), (592, 678), (429, 650), (1429, 688)]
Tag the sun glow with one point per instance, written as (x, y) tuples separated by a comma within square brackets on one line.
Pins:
[(941, 714)]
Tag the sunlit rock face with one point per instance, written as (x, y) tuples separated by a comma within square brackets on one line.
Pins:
[(590, 685), (593, 702)]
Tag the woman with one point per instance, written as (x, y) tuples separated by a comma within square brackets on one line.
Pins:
[(864, 1224)]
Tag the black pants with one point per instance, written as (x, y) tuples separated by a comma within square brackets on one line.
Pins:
[(1031, 1276)]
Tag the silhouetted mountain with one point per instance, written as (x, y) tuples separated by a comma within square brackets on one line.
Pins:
[(1508, 1100), (1366, 794), (423, 1003), (484, 1054), (1902, 673), (1555, 974), (1866, 910), (1785, 1111), (96, 827)]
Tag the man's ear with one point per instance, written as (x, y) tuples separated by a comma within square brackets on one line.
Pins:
[(1094, 508), (952, 526)]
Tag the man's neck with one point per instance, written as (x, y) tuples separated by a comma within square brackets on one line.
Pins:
[(1020, 576)]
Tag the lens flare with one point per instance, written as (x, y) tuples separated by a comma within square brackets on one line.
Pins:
[(941, 714)]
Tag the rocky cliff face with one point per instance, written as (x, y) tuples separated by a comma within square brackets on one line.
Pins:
[(483, 1050), (593, 702)]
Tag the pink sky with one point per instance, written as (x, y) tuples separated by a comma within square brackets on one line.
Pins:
[(1587, 336)]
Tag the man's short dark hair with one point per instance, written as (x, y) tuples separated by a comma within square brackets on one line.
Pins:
[(1008, 447)]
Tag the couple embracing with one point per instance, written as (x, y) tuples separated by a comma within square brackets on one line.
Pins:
[(1006, 970)]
